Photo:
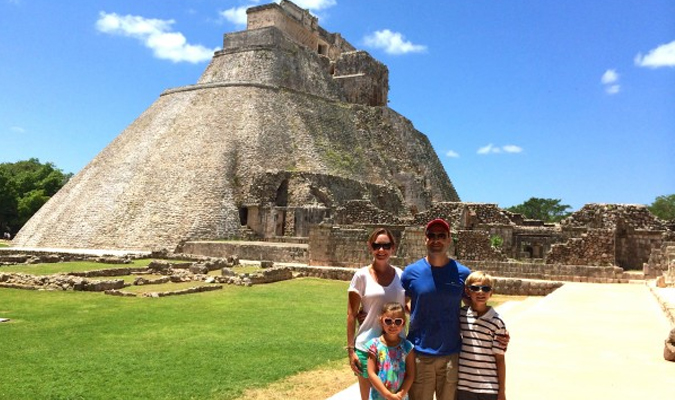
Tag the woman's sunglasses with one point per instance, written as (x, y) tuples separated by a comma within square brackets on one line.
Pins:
[(394, 321), (478, 288), (377, 246)]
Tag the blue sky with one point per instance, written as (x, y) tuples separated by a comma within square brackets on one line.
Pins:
[(573, 100)]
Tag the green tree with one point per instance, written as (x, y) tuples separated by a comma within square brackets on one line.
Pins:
[(547, 210), (664, 207), (25, 186), (8, 201)]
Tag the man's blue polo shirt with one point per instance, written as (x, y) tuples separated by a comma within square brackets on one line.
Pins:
[(435, 294)]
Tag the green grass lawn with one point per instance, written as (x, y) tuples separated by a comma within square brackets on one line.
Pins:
[(213, 345)]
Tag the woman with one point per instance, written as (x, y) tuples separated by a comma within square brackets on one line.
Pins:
[(372, 286)]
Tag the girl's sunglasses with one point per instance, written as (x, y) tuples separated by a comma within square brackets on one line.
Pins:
[(477, 288), (394, 321)]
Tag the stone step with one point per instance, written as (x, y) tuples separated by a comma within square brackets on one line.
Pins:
[(289, 239)]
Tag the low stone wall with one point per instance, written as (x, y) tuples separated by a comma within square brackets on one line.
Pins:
[(505, 286), (12, 256), (571, 273), (108, 272), (57, 282), (337, 246), (279, 252)]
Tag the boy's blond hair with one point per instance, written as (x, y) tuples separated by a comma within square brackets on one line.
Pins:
[(479, 276)]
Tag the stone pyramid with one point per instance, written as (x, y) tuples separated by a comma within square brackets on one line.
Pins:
[(286, 124)]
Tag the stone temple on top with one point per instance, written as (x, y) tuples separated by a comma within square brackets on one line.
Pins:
[(288, 125)]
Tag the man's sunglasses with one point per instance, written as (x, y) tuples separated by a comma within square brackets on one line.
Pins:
[(377, 246), (478, 288), (435, 236), (393, 321)]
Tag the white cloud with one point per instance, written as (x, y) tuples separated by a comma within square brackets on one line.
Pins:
[(492, 149), (236, 15), (610, 80), (452, 154), (392, 43), (612, 89), (17, 129), (662, 56), (489, 149), (610, 76), (155, 34), (511, 148), (315, 5)]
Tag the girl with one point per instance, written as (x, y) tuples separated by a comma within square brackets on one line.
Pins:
[(391, 359), (372, 286)]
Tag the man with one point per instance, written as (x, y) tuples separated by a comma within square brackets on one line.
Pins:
[(434, 287)]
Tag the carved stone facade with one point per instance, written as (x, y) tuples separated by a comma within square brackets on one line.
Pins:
[(624, 238)]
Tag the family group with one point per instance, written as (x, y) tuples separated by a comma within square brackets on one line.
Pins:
[(455, 342)]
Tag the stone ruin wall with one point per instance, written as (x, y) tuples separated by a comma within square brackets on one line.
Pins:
[(661, 262), (561, 272), (300, 25), (342, 247), (300, 189), (363, 79), (295, 22), (634, 229), (529, 243), (268, 58), (633, 248), (355, 211), (476, 245), (450, 211), (345, 246), (578, 253), (596, 247)]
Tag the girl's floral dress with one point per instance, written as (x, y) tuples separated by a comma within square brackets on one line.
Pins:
[(390, 364)]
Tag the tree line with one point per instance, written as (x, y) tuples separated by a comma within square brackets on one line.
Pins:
[(551, 210), (25, 186)]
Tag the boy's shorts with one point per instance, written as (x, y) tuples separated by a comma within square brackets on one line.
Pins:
[(363, 359)]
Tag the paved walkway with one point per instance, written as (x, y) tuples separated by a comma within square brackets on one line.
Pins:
[(586, 341)]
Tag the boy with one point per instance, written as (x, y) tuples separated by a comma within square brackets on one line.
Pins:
[(482, 369)]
